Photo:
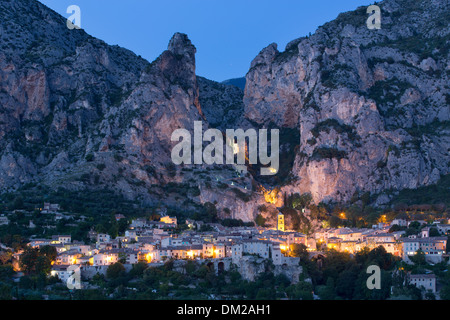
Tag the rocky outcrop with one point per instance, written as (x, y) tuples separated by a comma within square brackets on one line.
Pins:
[(250, 267), (361, 110), (78, 113), (371, 106), (222, 105)]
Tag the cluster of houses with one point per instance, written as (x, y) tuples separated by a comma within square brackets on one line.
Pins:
[(353, 240), (155, 241)]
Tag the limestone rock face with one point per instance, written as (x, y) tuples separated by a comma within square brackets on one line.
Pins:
[(80, 114), (251, 266), (70, 103), (372, 107)]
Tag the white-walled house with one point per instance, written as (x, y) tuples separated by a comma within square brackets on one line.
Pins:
[(68, 257), (62, 272), (399, 222), (103, 237), (62, 239), (433, 247), (424, 281), (105, 258), (169, 220), (443, 228), (4, 220)]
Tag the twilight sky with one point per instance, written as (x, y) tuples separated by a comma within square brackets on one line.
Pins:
[(228, 34)]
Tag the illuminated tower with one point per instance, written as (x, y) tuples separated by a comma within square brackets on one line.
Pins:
[(280, 222)]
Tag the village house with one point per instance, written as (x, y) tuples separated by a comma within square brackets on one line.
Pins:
[(59, 247), (334, 243), (433, 247), (169, 220), (443, 228), (423, 281), (68, 257), (62, 239), (262, 248), (393, 247), (258, 247), (172, 241), (399, 222), (92, 235), (180, 252), (36, 243), (81, 248), (62, 272), (103, 237), (50, 208), (138, 223), (85, 260), (425, 232), (4, 220), (119, 217), (380, 238), (105, 258)]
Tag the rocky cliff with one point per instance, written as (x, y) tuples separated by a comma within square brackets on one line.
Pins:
[(359, 110), (78, 113), (372, 106)]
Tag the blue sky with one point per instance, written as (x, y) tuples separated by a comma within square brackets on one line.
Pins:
[(228, 34)]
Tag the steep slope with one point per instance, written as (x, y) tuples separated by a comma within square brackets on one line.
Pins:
[(372, 106), (222, 104), (237, 82), (359, 111), (80, 114)]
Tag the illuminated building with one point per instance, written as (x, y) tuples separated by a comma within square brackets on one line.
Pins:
[(280, 224)]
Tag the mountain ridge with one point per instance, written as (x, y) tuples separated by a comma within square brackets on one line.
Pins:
[(360, 111)]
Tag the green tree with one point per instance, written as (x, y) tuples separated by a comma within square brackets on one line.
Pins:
[(327, 292), (26, 282), (6, 272), (434, 232), (260, 221), (300, 291), (430, 296), (395, 228), (419, 258), (5, 257), (43, 265), (49, 251), (345, 284), (362, 292), (5, 292), (138, 269), (115, 271), (18, 203), (28, 260), (298, 201), (380, 257), (122, 226)]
